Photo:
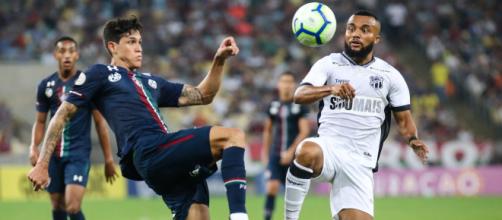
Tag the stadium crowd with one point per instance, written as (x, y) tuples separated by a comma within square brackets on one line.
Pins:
[(180, 36)]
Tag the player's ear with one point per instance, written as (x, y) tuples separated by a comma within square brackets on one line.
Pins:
[(377, 38), (110, 45)]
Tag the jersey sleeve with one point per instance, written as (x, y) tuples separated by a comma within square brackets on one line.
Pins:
[(169, 92), (304, 111), (317, 76), (399, 94), (43, 102), (87, 85)]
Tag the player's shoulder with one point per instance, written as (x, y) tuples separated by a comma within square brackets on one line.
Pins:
[(384, 67), (336, 59), (50, 79)]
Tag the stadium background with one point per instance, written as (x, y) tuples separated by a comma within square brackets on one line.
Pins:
[(448, 51)]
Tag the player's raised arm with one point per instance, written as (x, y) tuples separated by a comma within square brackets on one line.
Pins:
[(206, 90), (307, 94), (39, 174), (408, 130), (104, 141)]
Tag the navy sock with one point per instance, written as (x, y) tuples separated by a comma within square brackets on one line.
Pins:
[(59, 215), (234, 177), (269, 207), (77, 216)]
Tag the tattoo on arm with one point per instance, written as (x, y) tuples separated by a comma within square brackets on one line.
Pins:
[(190, 95), (53, 134)]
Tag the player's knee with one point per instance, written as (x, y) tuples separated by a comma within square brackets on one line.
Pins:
[(72, 207), (236, 137), (309, 154)]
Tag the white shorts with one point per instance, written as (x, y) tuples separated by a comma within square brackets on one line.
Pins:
[(352, 183)]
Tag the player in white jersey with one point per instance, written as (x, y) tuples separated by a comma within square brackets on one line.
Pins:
[(357, 93)]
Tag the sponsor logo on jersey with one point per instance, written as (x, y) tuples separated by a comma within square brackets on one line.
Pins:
[(81, 79), (376, 82), (358, 104), (341, 81), (114, 77), (152, 83)]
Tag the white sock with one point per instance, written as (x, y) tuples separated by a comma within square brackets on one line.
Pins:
[(239, 216), (296, 190)]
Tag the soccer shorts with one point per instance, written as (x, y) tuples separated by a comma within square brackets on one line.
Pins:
[(64, 171), (276, 171), (177, 169), (352, 182)]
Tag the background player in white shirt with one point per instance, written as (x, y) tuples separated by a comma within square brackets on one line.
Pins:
[(357, 93)]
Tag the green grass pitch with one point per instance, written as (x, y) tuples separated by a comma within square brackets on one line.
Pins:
[(314, 208)]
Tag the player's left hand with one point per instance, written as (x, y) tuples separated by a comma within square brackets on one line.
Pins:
[(420, 149), (228, 47), (110, 173), (39, 176)]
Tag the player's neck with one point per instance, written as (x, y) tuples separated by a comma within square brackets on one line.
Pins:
[(285, 98), (363, 60), (120, 63), (65, 75)]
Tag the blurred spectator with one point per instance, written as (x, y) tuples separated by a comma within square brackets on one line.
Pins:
[(5, 128)]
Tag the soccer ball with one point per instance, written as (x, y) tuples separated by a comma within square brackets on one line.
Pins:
[(314, 24)]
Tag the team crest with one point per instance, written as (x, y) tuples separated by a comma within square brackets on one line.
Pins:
[(152, 83), (376, 82), (81, 79), (48, 92), (114, 77)]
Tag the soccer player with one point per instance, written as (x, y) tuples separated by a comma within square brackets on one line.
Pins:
[(357, 94), (69, 167), (284, 128), (173, 164)]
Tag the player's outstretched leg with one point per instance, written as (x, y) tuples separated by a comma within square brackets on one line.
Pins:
[(308, 162), (228, 144)]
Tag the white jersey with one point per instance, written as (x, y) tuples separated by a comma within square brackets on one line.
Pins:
[(365, 120)]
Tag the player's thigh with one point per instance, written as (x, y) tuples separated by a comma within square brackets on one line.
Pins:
[(352, 189), (57, 177), (311, 152), (273, 187), (184, 158), (73, 197), (198, 211)]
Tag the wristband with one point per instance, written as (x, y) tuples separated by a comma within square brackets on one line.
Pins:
[(412, 138)]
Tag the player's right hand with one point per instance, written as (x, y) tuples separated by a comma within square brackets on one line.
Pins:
[(33, 155), (344, 91), (39, 177)]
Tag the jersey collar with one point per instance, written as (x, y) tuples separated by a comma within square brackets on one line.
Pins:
[(354, 62)]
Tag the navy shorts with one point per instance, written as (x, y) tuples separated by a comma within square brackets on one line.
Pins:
[(64, 171), (276, 171), (177, 169)]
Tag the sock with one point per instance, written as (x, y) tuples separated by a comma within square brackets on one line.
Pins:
[(297, 187), (77, 216), (234, 178), (269, 206), (59, 215)]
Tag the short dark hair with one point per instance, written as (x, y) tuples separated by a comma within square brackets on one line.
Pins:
[(116, 28), (366, 13), (65, 38), (288, 73)]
